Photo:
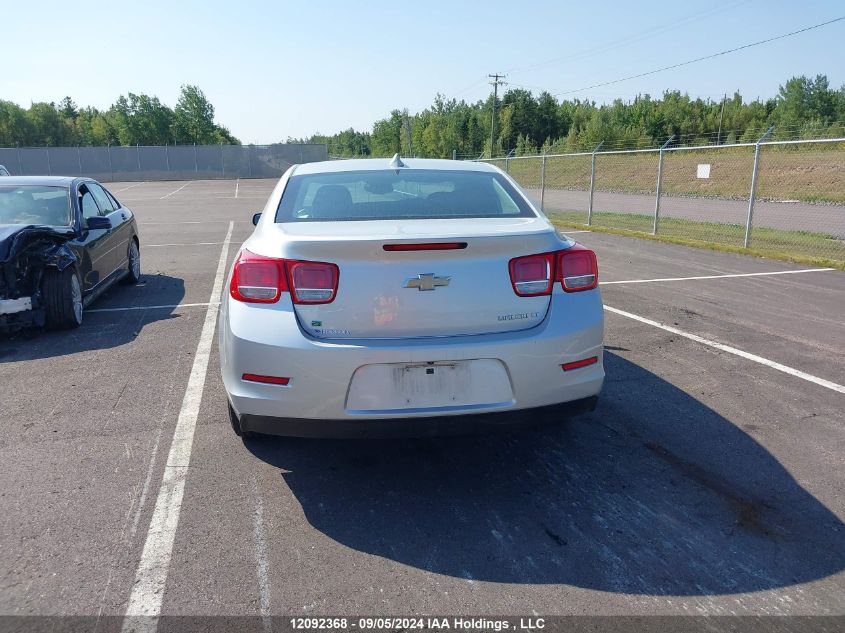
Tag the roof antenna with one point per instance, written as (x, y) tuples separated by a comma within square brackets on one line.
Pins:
[(396, 162)]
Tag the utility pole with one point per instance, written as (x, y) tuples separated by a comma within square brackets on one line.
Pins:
[(497, 81), (721, 114)]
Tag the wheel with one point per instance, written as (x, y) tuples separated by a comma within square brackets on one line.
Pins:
[(134, 267), (62, 294), (236, 424)]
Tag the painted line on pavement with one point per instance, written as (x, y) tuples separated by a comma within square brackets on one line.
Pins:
[(159, 307), (725, 276), (177, 191), (130, 186), (733, 350), (145, 601), (183, 244)]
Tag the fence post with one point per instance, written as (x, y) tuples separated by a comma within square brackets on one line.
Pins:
[(592, 183), (507, 165), (249, 159), (20, 163), (138, 153), (167, 156), (79, 159), (222, 164), (49, 166), (454, 154), (196, 164), (111, 166), (659, 183), (753, 192), (543, 184)]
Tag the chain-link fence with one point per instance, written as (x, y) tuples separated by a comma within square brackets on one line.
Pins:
[(169, 162), (785, 197)]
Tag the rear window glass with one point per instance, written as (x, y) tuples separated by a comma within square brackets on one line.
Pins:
[(409, 194)]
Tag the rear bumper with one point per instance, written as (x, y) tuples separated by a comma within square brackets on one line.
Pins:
[(416, 426), (269, 342)]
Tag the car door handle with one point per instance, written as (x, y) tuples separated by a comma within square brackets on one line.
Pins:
[(123, 215)]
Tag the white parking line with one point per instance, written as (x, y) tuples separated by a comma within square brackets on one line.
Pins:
[(725, 276), (185, 244), (177, 191), (261, 562), (237, 186), (565, 232), (130, 186), (159, 307), (193, 222), (733, 350), (145, 601)]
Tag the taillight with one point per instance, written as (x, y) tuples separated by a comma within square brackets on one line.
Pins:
[(312, 282), (577, 269), (532, 275), (257, 279)]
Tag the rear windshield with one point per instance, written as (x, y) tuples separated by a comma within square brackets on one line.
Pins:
[(408, 194), (34, 204)]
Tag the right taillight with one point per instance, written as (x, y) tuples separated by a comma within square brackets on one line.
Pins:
[(260, 279), (577, 269), (534, 275)]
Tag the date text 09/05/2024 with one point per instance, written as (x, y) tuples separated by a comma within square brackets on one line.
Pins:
[(426, 623)]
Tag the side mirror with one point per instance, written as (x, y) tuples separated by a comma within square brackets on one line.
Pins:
[(98, 223), (255, 218)]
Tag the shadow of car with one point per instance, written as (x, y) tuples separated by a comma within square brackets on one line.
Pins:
[(654, 493), (102, 328)]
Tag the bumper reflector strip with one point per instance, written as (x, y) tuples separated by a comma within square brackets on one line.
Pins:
[(576, 364), (267, 380)]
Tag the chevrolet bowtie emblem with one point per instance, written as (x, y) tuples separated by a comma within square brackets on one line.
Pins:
[(427, 281)]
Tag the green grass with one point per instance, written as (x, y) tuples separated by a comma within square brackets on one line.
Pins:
[(818, 249), (808, 174)]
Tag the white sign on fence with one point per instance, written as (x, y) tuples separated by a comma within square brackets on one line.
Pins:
[(703, 171)]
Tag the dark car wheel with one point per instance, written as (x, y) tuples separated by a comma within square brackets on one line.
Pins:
[(133, 276), (62, 293)]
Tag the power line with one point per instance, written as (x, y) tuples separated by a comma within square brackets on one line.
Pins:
[(636, 37), (701, 59)]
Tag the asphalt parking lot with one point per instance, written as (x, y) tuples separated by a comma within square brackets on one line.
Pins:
[(709, 480)]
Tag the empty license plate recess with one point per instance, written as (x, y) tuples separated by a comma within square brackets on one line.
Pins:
[(429, 386)]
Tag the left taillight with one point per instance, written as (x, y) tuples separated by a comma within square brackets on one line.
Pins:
[(312, 282), (258, 279)]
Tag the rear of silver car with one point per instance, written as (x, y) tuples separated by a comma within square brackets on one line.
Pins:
[(366, 312)]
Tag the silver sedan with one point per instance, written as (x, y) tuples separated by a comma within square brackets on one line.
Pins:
[(407, 296)]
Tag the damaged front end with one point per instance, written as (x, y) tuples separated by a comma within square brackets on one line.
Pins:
[(25, 252)]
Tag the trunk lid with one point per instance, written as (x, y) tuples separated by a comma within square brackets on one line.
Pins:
[(424, 293)]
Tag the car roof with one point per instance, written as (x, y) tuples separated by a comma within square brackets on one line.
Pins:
[(374, 164), (47, 181)]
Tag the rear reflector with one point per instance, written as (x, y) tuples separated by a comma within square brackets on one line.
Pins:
[(580, 363), (267, 380), (433, 246)]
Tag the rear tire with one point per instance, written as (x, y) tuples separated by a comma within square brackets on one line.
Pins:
[(236, 424), (62, 294), (133, 276)]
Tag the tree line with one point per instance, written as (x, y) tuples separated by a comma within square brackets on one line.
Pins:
[(132, 120), (803, 108)]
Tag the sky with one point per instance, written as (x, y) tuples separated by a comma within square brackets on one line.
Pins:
[(288, 69)]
